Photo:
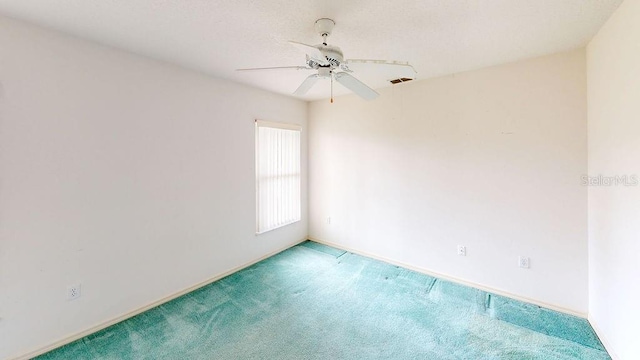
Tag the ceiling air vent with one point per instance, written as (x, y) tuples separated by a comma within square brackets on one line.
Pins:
[(400, 80)]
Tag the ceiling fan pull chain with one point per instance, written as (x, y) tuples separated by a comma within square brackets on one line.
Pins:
[(331, 86)]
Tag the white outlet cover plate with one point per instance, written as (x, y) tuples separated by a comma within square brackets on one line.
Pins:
[(462, 250), (523, 262)]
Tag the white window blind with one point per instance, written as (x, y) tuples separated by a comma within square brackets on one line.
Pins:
[(277, 175)]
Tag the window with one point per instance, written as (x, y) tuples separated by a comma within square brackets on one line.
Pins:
[(277, 175)]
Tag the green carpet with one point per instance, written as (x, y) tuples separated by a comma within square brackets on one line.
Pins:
[(317, 302)]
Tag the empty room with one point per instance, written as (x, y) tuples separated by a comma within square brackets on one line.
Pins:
[(273, 179)]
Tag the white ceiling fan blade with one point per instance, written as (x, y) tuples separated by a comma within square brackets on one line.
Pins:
[(355, 85), (313, 52), (306, 85), (278, 68), (389, 69)]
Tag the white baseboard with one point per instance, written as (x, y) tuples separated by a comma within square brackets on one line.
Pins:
[(71, 338), (93, 329), (603, 339), (454, 279)]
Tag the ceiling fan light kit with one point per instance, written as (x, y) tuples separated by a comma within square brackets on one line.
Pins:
[(329, 63)]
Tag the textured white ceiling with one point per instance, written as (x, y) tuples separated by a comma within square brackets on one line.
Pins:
[(437, 37)]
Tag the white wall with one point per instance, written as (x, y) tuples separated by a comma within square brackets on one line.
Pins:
[(490, 159), (130, 176), (613, 59)]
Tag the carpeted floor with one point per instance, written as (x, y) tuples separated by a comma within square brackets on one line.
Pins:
[(317, 302)]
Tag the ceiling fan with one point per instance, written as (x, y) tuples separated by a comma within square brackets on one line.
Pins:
[(329, 63)]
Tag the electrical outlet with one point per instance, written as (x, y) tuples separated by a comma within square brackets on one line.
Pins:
[(523, 262), (462, 250), (329, 220), (73, 292)]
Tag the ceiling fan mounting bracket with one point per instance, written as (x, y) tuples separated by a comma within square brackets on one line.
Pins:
[(324, 26)]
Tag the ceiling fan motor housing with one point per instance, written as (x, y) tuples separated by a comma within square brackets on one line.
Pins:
[(333, 54)]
